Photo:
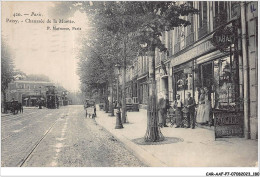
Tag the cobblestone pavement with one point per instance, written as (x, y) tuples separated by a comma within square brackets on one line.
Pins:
[(60, 138)]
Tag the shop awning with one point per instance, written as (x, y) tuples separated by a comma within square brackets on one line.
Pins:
[(25, 99), (33, 98), (42, 99)]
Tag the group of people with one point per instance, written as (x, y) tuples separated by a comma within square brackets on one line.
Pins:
[(202, 116)]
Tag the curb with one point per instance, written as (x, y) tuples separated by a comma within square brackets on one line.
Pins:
[(5, 115), (138, 151)]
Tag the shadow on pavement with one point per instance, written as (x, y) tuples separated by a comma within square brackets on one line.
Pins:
[(167, 140)]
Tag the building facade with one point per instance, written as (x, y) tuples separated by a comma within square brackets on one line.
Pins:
[(197, 58), (218, 51), (29, 92)]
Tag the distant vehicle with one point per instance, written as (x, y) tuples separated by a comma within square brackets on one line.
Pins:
[(13, 106), (52, 101), (90, 107)]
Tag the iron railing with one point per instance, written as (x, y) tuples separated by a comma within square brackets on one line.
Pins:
[(203, 30), (190, 39), (177, 47)]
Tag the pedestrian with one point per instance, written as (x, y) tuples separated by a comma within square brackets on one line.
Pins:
[(171, 114), (21, 107), (190, 105), (201, 118), (178, 105), (40, 104), (58, 103), (207, 107), (162, 107)]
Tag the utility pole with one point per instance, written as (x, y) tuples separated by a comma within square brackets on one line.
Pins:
[(245, 70)]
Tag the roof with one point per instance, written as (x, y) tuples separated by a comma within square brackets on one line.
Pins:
[(35, 82)]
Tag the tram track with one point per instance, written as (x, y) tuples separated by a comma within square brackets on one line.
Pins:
[(23, 161), (18, 131), (19, 142), (17, 117)]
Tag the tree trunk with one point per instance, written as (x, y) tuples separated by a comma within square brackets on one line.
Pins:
[(106, 99), (123, 84), (4, 105), (153, 132)]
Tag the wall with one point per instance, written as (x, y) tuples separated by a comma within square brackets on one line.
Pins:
[(252, 17)]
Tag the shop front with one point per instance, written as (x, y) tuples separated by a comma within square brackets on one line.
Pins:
[(213, 78), (32, 100), (182, 80), (142, 91)]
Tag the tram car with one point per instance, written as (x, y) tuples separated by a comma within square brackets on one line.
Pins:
[(52, 100)]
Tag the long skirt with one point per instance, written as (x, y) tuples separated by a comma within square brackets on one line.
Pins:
[(162, 116), (207, 111), (201, 118), (179, 118)]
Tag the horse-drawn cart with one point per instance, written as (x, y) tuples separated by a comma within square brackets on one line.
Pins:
[(90, 108), (13, 107)]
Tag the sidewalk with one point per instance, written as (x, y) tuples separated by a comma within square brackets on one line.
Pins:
[(181, 147)]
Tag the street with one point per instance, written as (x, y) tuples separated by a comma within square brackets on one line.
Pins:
[(60, 138)]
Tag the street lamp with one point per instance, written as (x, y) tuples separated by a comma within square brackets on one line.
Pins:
[(118, 113), (112, 99)]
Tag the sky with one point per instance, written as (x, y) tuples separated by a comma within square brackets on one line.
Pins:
[(35, 49)]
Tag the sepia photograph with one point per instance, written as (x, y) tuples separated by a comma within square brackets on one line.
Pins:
[(129, 84)]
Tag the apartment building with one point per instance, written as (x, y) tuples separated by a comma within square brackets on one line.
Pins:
[(217, 51)]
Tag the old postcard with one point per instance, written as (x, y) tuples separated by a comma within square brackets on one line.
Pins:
[(130, 84)]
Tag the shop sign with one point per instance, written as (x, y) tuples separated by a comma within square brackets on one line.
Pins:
[(228, 124), (196, 51), (223, 39)]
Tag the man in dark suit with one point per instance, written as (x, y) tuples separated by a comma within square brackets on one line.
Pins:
[(190, 104)]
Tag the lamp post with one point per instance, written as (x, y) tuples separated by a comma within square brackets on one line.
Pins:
[(112, 99), (118, 113)]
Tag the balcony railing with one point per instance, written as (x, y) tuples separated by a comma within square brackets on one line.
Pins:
[(203, 30), (190, 39), (219, 20), (177, 47)]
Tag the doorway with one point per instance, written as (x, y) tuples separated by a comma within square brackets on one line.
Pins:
[(207, 75)]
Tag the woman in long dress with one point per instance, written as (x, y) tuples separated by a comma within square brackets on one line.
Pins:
[(162, 111), (207, 105), (200, 118), (178, 105)]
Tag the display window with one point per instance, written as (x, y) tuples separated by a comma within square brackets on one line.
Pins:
[(225, 84), (183, 84), (219, 77)]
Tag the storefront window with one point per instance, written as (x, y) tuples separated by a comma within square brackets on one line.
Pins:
[(184, 84), (224, 84)]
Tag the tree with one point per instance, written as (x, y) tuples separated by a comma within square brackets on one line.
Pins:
[(97, 60), (7, 69), (143, 22), (110, 18)]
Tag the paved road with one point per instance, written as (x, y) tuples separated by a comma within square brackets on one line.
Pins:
[(60, 138)]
